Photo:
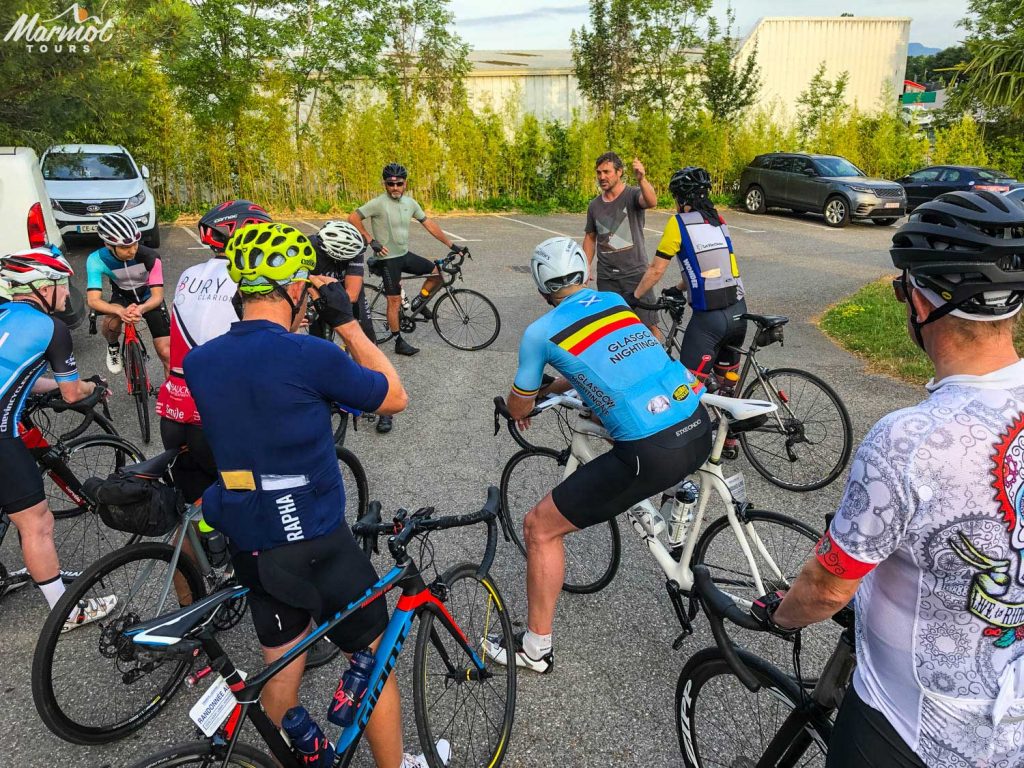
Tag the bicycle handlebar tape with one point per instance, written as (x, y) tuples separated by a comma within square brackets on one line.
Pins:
[(716, 605)]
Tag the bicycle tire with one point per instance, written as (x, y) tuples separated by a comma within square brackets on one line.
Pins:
[(377, 302), (762, 446), (353, 475), (585, 572), (79, 534), (202, 755), (104, 641), (464, 312), (732, 746), (484, 616), (135, 368)]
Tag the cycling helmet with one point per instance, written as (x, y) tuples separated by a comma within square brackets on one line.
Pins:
[(266, 257), (394, 171), (220, 223), (117, 230), (688, 183), (341, 240), (965, 252), (24, 270), (557, 263)]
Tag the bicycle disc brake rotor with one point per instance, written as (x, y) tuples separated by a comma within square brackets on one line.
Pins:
[(113, 642)]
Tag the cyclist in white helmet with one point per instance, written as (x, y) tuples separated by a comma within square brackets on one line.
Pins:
[(340, 253)]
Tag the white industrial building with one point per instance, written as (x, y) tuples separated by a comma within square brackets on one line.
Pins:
[(789, 50)]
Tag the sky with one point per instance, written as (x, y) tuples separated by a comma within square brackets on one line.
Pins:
[(493, 24)]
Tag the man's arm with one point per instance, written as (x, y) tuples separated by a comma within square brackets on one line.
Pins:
[(816, 595), (369, 355), (653, 274), (156, 298), (648, 197), (590, 247), (353, 285), (433, 228)]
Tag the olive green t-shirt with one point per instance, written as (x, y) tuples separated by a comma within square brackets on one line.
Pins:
[(389, 221)]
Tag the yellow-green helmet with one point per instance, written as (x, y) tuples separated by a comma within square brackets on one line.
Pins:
[(264, 256)]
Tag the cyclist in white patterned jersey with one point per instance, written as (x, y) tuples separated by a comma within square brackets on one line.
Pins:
[(930, 530)]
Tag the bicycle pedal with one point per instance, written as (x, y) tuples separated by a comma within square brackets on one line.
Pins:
[(678, 642)]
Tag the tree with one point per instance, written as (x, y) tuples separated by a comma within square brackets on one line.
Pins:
[(728, 87), (993, 75), (822, 103), (960, 144), (938, 68), (603, 57)]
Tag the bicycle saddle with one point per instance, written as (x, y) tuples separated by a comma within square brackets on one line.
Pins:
[(739, 410), (152, 469), (766, 321), (171, 628)]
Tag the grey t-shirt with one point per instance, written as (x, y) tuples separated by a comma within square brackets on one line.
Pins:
[(619, 226), (389, 221)]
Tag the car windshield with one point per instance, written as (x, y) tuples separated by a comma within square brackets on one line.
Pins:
[(990, 174), (76, 166), (837, 166)]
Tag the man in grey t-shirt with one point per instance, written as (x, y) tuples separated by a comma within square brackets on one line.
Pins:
[(615, 231)]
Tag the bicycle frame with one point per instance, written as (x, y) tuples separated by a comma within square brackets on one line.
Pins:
[(131, 336)]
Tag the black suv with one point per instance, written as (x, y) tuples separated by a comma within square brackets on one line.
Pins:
[(826, 184)]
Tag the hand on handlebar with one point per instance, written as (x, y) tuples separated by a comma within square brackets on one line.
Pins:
[(459, 249), (673, 293), (763, 609)]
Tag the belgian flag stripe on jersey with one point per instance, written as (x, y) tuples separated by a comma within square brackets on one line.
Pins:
[(579, 336)]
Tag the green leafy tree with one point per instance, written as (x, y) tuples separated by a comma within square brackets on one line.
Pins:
[(603, 57), (729, 87), (820, 105), (961, 144), (993, 75), (667, 42), (938, 68)]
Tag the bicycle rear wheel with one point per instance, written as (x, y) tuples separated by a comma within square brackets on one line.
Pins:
[(92, 685), (466, 319), (354, 477), (806, 443), (206, 755), (721, 724), (138, 385), (591, 555), (378, 304), (454, 701)]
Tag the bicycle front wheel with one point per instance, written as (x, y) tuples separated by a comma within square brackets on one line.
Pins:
[(453, 699), (806, 443), (378, 304), (138, 385), (591, 555), (721, 724), (206, 755), (466, 319), (357, 490), (91, 685)]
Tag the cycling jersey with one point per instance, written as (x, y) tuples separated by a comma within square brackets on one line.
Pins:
[(707, 259), (202, 310), (134, 277), (264, 395), (389, 221), (29, 341), (933, 519), (614, 362)]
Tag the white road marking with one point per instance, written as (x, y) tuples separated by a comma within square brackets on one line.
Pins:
[(461, 239), (731, 226), (197, 248), (191, 234), (528, 224), (822, 227), (314, 227)]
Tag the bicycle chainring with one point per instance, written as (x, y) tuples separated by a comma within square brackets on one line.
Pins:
[(406, 324), (231, 612), (113, 643)]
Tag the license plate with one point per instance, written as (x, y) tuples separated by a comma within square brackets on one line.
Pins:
[(737, 487), (891, 205), (215, 706), (84, 228)]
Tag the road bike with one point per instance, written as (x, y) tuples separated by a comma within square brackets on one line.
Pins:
[(134, 356), (725, 691), (462, 317), (458, 693), (91, 686), (806, 443)]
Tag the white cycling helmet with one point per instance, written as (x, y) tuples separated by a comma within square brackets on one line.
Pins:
[(116, 229), (558, 262), (341, 240)]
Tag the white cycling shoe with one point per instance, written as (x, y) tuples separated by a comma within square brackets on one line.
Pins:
[(88, 611), (494, 648), (114, 364), (444, 751)]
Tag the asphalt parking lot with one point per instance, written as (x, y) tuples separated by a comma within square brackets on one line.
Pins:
[(609, 700)]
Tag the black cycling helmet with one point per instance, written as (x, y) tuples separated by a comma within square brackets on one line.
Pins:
[(394, 171), (220, 223), (689, 183)]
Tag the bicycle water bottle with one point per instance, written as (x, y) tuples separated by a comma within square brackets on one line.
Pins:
[(214, 544), (682, 515), (405, 301), (351, 687), (308, 741)]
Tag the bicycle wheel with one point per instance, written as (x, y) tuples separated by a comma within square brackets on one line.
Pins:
[(203, 754), (92, 685), (79, 534), (804, 445), (378, 304), (138, 381), (472, 711), (720, 723), (591, 555), (357, 490), (466, 319)]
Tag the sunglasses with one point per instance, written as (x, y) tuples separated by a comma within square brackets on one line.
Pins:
[(901, 288), (394, 183)]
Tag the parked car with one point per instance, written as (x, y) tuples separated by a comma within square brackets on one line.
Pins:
[(928, 183), (85, 181), (826, 184)]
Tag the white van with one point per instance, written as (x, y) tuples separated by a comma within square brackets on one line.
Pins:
[(25, 209)]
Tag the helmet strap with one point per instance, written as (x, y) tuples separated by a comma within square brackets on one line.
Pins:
[(49, 306), (295, 307), (937, 313)]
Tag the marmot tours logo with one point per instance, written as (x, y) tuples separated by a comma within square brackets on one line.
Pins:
[(73, 31)]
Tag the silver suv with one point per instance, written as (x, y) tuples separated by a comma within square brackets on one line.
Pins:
[(826, 184)]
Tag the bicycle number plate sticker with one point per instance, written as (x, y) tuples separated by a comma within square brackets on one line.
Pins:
[(210, 712), (737, 487)]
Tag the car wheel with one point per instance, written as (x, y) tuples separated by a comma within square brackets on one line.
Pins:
[(754, 200), (152, 237), (836, 211), (885, 222)]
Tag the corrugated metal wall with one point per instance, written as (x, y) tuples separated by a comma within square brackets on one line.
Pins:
[(547, 95)]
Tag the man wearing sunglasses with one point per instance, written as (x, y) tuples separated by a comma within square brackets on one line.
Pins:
[(389, 215), (930, 531)]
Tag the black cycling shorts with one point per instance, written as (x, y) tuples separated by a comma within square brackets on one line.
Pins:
[(391, 271), (157, 319), (21, 483), (863, 738), (624, 286), (314, 579), (361, 311), (712, 333), (194, 470), (634, 470)]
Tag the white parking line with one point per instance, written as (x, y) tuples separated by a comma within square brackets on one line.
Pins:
[(528, 224), (314, 227), (461, 239), (731, 226), (820, 227), (191, 234)]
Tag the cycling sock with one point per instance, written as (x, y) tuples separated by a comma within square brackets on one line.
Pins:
[(536, 646), (52, 589)]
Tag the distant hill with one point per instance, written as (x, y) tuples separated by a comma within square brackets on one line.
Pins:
[(916, 49)]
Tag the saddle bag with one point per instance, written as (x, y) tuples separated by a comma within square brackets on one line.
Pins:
[(136, 505)]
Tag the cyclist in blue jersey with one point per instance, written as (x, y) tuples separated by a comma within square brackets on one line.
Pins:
[(264, 394), (31, 340), (646, 400)]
